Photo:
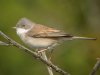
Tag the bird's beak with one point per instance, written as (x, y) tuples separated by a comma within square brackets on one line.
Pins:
[(14, 27)]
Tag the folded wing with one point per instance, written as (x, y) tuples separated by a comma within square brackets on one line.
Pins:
[(40, 31)]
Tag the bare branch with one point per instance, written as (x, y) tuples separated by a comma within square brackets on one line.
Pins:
[(43, 54), (34, 54), (96, 67), (3, 43)]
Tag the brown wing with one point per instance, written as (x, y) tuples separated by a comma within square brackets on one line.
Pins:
[(40, 31)]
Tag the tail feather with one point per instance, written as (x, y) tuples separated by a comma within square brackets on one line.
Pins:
[(83, 38)]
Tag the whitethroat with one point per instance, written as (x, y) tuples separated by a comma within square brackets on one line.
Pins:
[(42, 37)]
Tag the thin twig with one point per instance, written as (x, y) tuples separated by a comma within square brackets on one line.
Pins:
[(34, 54), (43, 54), (3, 43), (96, 67)]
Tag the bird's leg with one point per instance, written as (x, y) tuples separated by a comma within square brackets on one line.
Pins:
[(38, 52), (42, 50)]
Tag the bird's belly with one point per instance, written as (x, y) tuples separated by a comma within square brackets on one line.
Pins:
[(39, 42)]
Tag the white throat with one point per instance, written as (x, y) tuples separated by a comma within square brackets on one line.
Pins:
[(21, 31)]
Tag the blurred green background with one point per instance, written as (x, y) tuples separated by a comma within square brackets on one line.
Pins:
[(78, 17)]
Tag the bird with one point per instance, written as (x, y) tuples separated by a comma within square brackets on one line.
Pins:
[(42, 37)]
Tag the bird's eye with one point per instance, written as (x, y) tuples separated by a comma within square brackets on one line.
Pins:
[(23, 25)]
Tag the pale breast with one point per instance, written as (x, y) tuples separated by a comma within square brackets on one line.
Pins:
[(39, 42)]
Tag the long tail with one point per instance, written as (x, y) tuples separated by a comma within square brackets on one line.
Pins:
[(45, 57), (83, 38)]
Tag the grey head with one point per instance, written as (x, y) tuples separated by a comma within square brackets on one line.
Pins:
[(24, 23)]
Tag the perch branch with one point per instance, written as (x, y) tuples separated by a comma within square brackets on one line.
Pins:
[(34, 54), (3, 43), (96, 67)]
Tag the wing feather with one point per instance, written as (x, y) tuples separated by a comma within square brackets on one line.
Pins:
[(40, 31)]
